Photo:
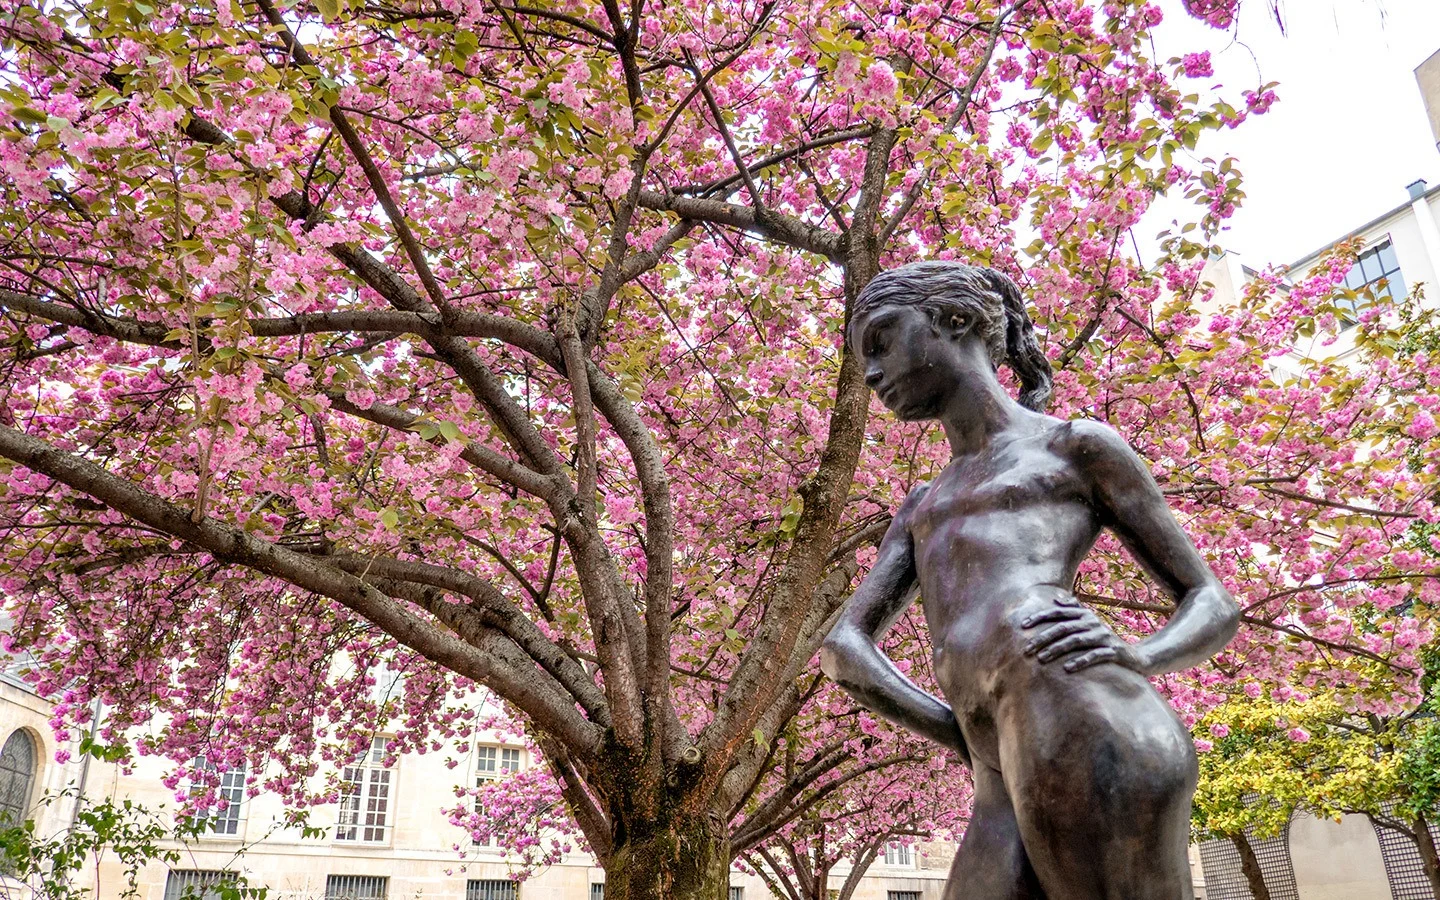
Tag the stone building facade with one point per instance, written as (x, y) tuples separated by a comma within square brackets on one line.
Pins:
[(1428, 75)]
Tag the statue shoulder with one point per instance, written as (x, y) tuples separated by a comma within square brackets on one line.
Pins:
[(907, 509), (1103, 455), (1089, 440)]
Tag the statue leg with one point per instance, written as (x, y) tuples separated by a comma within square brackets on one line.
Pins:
[(1103, 809), (991, 863)]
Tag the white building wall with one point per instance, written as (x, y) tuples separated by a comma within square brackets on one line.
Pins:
[(1337, 860)]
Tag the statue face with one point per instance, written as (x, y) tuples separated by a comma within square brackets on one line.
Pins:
[(909, 360)]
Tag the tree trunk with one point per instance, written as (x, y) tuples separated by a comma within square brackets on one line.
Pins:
[(1250, 865), (684, 858), (1429, 857)]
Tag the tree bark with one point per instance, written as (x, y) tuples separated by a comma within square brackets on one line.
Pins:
[(1250, 865), (686, 857), (1429, 857)]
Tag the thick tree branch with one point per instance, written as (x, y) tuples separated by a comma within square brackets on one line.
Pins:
[(232, 545), (779, 227), (478, 455), (494, 611), (746, 838), (593, 821)]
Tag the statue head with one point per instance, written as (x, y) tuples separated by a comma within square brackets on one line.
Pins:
[(917, 327)]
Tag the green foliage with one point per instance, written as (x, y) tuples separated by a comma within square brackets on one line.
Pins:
[(51, 865)]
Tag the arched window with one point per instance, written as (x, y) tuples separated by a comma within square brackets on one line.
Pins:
[(17, 777)]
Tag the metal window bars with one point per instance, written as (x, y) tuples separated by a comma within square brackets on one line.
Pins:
[(1225, 876), (195, 884), (357, 887), (491, 889), (1403, 867)]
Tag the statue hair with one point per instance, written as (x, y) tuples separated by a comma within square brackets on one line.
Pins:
[(981, 295)]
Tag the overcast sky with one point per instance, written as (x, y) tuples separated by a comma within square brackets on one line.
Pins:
[(1349, 132)]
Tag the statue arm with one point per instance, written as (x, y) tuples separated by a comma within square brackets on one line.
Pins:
[(1206, 616), (851, 656)]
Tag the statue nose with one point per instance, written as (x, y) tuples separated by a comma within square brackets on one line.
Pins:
[(872, 378)]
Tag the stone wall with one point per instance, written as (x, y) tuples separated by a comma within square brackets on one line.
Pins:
[(1429, 77)]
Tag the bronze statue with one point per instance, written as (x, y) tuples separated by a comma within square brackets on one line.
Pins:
[(1084, 776)]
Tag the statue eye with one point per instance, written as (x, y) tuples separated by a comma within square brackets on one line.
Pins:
[(875, 342)]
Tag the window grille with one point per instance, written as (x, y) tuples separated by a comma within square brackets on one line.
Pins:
[(365, 798), (225, 818), (1225, 879), (1379, 270), (899, 855), (902, 895), (597, 891), (17, 777), (195, 884), (491, 889), (357, 887), (1403, 868)]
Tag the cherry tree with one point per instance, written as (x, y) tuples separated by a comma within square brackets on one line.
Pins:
[(897, 792), (498, 345)]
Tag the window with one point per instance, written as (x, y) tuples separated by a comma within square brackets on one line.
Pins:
[(357, 887), (902, 895), (195, 884), (17, 777), (737, 893), (389, 682), (490, 764), (365, 798), (491, 889), (597, 891), (899, 855), (225, 818), (1379, 270)]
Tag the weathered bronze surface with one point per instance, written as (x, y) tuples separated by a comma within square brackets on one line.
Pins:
[(1084, 776)]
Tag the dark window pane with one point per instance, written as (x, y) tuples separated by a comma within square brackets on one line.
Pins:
[(17, 777)]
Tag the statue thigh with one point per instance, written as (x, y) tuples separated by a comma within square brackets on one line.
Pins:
[(1103, 814), (1079, 849), (991, 863)]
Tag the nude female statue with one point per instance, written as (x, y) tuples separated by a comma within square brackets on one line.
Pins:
[(1083, 774)]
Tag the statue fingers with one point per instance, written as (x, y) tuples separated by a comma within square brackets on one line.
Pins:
[(1050, 635), (1089, 639), (1092, 658), (1054, 614)]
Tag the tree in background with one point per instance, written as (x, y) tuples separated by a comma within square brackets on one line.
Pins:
[(498, 345), (851, 828), (807, 818), (1302, 745)]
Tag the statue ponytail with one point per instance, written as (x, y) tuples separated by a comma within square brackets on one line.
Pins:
[(1023, 353)]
